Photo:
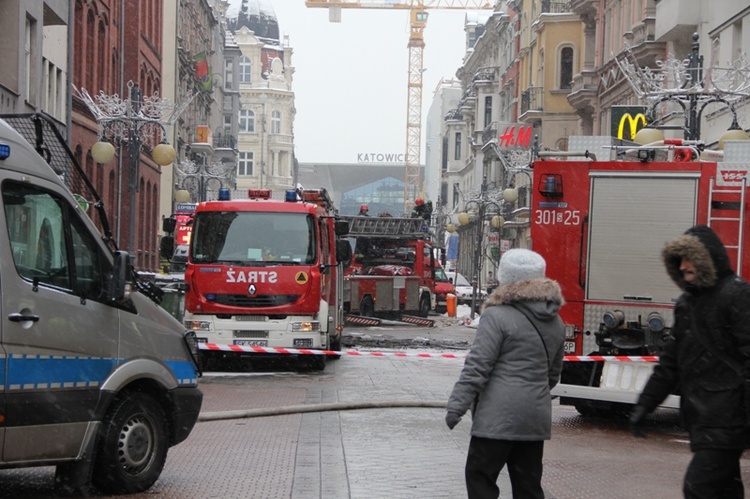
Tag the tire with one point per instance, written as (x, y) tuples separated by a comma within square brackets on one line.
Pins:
[(336, 347), (132, 446), (367, 307), (424, 305), (317, 362)]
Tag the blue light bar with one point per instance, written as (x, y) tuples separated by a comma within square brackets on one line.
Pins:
[(224, 194), (291, 196), (4, 151)]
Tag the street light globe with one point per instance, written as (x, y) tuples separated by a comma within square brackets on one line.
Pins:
[(510, 195), (182, 196), (733, 134), (163, 154), (648, 136), (464, 218), (103, 152), (497, 222), (450, 228)]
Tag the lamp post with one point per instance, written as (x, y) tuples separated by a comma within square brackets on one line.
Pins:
[(132, 123), (694, 90), (198, 179), (483, 207)]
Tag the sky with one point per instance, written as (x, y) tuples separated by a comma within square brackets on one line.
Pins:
[(350, 78)]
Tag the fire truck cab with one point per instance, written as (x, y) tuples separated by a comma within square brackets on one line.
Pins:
[(600, 216)]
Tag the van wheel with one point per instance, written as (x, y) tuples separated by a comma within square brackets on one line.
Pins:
[(367, 307), (424, 305), (132, 445)]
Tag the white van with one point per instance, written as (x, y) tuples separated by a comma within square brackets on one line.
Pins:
[(96, 378)]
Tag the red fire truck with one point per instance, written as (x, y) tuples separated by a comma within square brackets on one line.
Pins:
[(600, 216), (393, 269), (267, 273)]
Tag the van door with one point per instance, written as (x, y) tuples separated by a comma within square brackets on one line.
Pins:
[(59, 335)]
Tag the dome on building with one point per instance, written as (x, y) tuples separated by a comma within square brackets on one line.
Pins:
[(260, 18)]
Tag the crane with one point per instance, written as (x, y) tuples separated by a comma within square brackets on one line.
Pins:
[(418, 14)]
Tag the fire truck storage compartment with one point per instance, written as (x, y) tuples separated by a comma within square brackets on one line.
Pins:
[(632, 215)]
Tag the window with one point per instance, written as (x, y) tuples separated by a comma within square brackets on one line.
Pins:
[(50, 245), (246, 70), (487, 111), (276, 122), (247, 121), (245, 164), (457, 147), (566, 67), (228, 74)]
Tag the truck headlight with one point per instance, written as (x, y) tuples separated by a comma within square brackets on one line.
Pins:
[(305, 327), (655, 322), (198, 325)]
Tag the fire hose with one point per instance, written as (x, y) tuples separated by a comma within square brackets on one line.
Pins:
[(331, 406)]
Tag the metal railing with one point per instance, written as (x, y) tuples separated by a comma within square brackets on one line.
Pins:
[(532, 99)]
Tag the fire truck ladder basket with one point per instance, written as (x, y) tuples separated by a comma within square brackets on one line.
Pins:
[(385, 226), (728, 205)]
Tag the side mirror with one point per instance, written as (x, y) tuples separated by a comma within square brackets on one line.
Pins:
[(120, 286), (166, 247), (168, 225), (341, 227), (343, 252)]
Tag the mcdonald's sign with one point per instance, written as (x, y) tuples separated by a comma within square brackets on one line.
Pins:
[(627, 120)]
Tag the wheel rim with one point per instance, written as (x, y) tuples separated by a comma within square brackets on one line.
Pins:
[(135, 446)]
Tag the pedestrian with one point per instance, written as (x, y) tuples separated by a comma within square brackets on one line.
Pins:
[(363, 211), (707, 361), (514, 362), (491, 283)]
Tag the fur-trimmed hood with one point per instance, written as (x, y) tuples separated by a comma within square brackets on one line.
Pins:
[(535, 290), (705, 250)]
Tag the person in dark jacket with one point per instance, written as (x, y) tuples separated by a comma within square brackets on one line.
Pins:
[(514, 362), (707, 363)]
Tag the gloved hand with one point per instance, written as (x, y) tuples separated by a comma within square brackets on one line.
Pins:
[(635, 422), (452, 419)]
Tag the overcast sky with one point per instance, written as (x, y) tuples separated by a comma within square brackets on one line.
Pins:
[(350, 79)]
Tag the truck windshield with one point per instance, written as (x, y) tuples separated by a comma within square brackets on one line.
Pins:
[(237, 238)]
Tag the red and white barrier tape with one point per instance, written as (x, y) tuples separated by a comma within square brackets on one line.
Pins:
[(214, 347)]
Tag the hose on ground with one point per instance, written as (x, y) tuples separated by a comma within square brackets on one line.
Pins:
[(333, 406)]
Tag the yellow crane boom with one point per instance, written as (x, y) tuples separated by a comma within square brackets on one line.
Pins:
[(418, 16)]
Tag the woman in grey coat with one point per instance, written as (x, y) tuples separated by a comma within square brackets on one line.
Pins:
[(515, 360)]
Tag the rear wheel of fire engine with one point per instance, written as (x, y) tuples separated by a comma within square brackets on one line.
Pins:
[(317, 362), (336, 347), (133, 445), (367, 307), (424, 305), (592, 408)]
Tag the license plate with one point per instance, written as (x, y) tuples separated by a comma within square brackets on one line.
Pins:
[(251, 343), (570, 347)]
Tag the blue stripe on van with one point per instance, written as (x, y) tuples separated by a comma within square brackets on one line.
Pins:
[(183, 371), (34, 372)]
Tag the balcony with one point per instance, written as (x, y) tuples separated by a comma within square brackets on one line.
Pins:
[(532, 99), (225, 142), (280, 139), (556, 7), (489, 134)]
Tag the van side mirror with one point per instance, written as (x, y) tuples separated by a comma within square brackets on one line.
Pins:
[(166, 247), (343, 252), (168, 225), (341, 227), (121, 283)]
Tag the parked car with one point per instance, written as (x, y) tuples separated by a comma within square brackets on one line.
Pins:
[(464, 289)]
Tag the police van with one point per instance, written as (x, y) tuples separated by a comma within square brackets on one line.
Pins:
[(95, 377)]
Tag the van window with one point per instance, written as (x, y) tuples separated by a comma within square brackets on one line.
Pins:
[(43, 251)]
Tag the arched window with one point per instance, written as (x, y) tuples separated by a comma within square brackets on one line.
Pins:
[(276, 122), (566, 67), (246, 68)]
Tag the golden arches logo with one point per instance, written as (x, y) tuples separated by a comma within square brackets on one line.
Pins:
[(632, 122)]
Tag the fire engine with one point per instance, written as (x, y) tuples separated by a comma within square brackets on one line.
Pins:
[(393, 269), (600, 215), (267, 273)]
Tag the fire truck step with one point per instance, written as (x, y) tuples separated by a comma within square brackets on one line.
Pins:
[(358, 320), (417, 320)]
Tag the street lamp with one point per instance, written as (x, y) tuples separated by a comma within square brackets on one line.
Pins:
[(197, 179), (132, 122), (483, 208), (692, 92)]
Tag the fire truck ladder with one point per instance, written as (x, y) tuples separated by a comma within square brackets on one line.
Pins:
[(739, 220), (386, 226)]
